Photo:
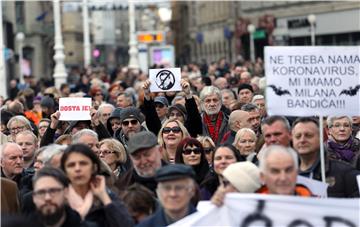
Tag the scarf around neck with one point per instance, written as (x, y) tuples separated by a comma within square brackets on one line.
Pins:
[(343, 151), (77, 203), (214, 129)]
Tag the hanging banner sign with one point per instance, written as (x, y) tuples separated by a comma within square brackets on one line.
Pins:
[(308, 81), (74, 109), (247, 210)]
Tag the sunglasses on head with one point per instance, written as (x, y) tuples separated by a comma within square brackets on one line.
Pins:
[(208, 150), (167, 130), (133, 122), (188, 151)]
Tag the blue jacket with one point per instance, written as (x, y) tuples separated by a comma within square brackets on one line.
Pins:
[(158, 218)]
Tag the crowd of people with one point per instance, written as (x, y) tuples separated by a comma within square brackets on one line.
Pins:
[(147, 158)]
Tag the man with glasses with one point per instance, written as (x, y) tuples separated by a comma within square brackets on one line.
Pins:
[(12, 167), (131, 119), (175, 188), (49, 195)]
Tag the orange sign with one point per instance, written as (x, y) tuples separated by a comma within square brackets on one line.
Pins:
[(150, 37)]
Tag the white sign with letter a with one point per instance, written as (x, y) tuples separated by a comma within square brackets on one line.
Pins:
[(74, 109), (313, 81)]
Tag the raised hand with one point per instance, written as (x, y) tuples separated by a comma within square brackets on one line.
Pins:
[(98, 188), (146, 88), (54, 119)]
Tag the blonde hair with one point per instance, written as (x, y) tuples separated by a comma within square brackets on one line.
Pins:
[(161, 142), (203, 139), (117, 147), (241, 133)]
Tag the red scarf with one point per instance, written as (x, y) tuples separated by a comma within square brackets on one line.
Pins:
[(214, 129)]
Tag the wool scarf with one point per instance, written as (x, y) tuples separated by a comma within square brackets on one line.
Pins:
[(77, 203), (343, 151), (214, 129)]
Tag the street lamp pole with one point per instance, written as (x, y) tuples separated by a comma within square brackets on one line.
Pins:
[(87, 51), (20, 38), (251, 29), (60, 74), (133, 51), (312, 20), (3, 87)]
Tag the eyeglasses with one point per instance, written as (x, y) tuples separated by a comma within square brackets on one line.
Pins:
[(106, 152), (188, 151), (98, 94), (133, 122), (51, 191), (177, 188), (167, 130), (208, 150), (17, 129), (340, 125)]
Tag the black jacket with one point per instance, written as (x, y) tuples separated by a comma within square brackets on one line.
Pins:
[(72, 219), (340, 176)]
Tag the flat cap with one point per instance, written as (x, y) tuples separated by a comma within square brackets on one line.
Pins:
[(173, 172), (141, 140)]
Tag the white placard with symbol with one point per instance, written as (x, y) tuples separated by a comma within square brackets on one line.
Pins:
[(164, 80)]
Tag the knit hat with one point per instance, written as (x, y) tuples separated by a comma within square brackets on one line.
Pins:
[(179, 108), (244, 176), (131, 112), (48, 102), (245, 86)]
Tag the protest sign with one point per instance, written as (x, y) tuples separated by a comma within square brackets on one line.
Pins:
[(308, 81), (163, 80), (246, 210), (74, 109)]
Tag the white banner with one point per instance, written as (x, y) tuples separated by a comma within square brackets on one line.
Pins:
[(163, 80), (74, 109), (247, 210), (308, 81)]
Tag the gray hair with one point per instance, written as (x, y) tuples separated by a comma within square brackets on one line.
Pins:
[(277, 149), (76, 137), (330, 120), (104, 105), (257, 97), (229, 92), (50, 151), (272, 119), (3, 148), (210, 90), (28, 132), (19, 118)]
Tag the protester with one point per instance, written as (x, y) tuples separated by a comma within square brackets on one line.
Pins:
[(276, 130), (243, 177), (49, 195), (209, 148), (223, 156), (87, 193), (131, 119), (340, 176), (140, 202), (114, 123), (245, 143), (190, 152), (245, 93), (170, 135), (28, 143), (104, 111), (238, 119), (215, 121), (42, 126), (145, 154), (342, 145), (259, 101), (12, 167), (17, 124), (278, 172), (113, 153), (176, 187)]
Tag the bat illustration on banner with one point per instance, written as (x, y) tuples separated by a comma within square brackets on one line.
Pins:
[(279, 91), (351, 91)]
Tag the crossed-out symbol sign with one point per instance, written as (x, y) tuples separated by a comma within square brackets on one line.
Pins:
[(165, 79)]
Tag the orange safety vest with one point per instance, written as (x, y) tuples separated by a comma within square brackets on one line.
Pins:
[(300, 190)]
